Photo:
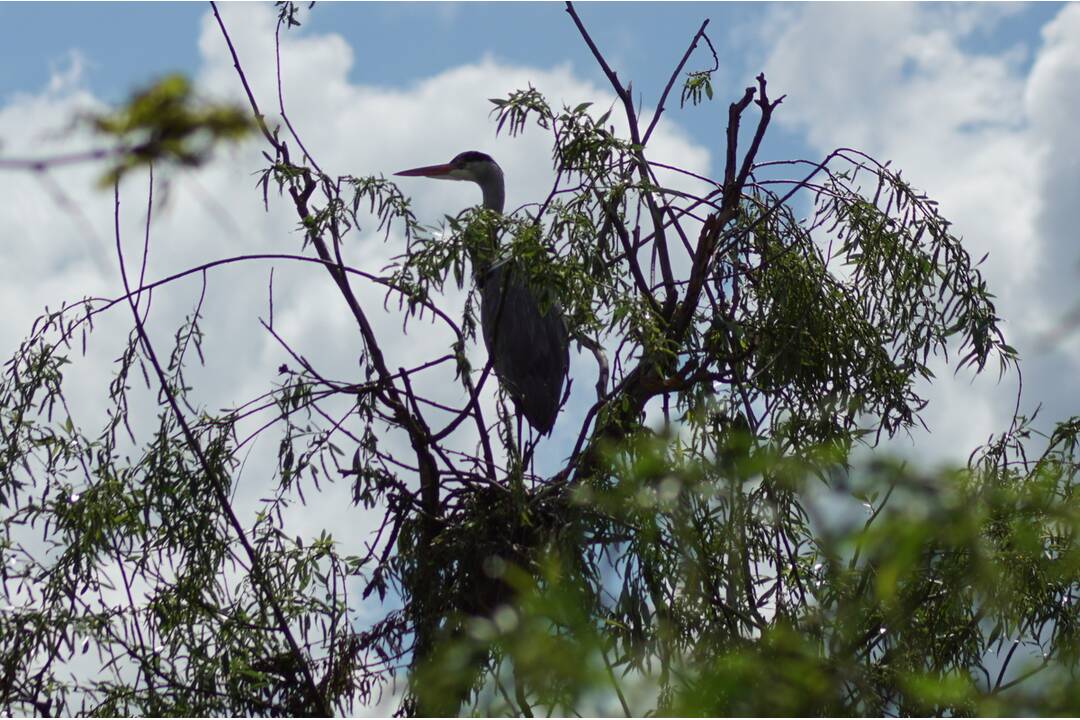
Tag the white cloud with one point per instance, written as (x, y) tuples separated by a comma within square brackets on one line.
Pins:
[(1052, 97), (69, 77), (994, 145), (217, 212), (361, 129)]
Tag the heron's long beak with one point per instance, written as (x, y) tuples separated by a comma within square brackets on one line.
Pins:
[(431, 171)]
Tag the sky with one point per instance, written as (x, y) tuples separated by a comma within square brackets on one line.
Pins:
[(975, 102), (971, 100)]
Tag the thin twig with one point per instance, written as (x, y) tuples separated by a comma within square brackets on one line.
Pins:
[(671, 81), (217, 483)]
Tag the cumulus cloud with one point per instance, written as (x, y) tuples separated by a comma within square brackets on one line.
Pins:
[(986, 137), (218, 212), (59, 237), (983, 135), (1052, 98)]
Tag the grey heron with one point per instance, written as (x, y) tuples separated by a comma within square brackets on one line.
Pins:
[(529, 350)]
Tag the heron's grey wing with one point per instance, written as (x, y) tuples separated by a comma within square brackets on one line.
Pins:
[(530, 352)]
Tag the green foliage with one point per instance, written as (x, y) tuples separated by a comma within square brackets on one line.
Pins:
[(731, 603), (700, 81), (729, 556), (166, 123), (696, 84), (194, 625)]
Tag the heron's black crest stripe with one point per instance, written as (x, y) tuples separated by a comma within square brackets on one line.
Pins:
[(471, 156)]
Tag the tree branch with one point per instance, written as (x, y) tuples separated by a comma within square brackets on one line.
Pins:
[(318, 700), (671, 82), (414, 425), (642, 163)]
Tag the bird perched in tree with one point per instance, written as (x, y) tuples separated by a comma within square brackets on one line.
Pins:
[(530, 351)]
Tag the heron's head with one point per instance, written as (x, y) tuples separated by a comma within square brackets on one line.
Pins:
[(470, 165)]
